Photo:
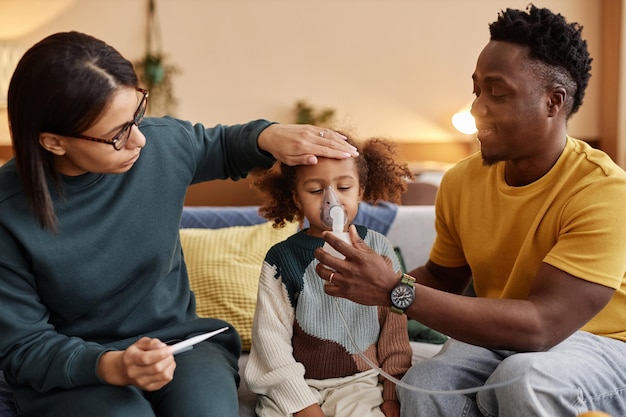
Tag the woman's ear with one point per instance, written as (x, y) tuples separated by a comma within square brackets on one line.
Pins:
[(51, 143)]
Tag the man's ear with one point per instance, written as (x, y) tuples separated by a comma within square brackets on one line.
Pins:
[(51, 143), (556, 101)]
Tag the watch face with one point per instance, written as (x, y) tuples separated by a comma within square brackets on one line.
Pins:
[(402, 296)]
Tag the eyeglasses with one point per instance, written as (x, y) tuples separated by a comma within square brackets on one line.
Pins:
[(121, 138)]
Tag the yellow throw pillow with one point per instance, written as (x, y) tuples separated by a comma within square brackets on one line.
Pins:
[(224, 267)]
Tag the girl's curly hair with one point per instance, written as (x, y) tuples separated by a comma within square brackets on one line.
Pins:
[(381, 174), (552, 41)]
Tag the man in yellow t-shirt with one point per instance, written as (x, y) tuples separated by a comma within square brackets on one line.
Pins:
[(537, 221)]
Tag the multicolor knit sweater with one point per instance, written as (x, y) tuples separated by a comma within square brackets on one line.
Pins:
[(298, 333)]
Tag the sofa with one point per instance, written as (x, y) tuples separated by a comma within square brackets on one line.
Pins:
[(224, 248)]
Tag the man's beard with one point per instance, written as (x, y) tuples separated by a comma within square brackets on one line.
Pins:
[(490, 161)]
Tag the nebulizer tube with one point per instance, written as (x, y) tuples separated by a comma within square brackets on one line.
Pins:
[(465, 391), (334, 216), (411, 387)]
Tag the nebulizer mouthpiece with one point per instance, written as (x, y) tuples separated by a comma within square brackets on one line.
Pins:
[(334, 217), (332, 212)]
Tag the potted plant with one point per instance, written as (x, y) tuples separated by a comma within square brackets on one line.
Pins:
[(154, 71), (308, 114)]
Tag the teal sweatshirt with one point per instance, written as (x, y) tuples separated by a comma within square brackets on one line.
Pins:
[(114, 271)]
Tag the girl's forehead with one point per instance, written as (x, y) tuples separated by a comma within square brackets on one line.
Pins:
[(347, 163), (329, 166)]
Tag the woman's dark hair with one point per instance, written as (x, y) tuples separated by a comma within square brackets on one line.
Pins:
[(381, 174), (61, 85), (552, 41)]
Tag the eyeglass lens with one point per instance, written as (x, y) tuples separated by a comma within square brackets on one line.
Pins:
[(124, 135)]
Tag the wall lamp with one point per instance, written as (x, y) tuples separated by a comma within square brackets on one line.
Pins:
[(464, 122)]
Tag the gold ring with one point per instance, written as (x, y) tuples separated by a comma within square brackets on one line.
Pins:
[(332, 275), (322, 134)]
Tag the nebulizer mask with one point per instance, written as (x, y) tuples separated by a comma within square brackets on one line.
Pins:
[(334, 217)]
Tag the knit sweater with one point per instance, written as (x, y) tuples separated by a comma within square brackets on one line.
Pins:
[(114, 271), (298, 333)]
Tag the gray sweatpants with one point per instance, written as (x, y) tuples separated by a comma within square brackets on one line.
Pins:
[(584, 372)]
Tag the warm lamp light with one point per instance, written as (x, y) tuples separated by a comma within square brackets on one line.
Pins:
[(10, 54), (464, 122)]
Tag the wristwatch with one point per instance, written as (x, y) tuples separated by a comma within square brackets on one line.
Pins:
[(403, 294)]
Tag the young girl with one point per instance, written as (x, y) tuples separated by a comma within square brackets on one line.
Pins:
[(302, 362)]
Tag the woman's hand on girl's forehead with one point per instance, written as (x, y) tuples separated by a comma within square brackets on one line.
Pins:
[(302, 144)]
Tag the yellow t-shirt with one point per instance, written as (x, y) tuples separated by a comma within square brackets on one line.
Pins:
[(573, 218)]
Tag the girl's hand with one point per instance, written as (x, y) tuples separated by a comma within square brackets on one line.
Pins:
[(147, 364), (295, 144), (314, 410), (390, 408)]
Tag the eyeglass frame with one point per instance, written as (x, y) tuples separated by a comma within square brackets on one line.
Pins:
[(137, 119)]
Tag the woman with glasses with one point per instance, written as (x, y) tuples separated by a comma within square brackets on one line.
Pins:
[(92, 280)]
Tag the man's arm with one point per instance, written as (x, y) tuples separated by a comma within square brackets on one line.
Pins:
[(452, 280), (558, 303)]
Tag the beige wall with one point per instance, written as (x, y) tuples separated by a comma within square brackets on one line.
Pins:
[(395, 68)]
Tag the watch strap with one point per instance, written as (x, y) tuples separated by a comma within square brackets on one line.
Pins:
[(408, 280), (396, 310)]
